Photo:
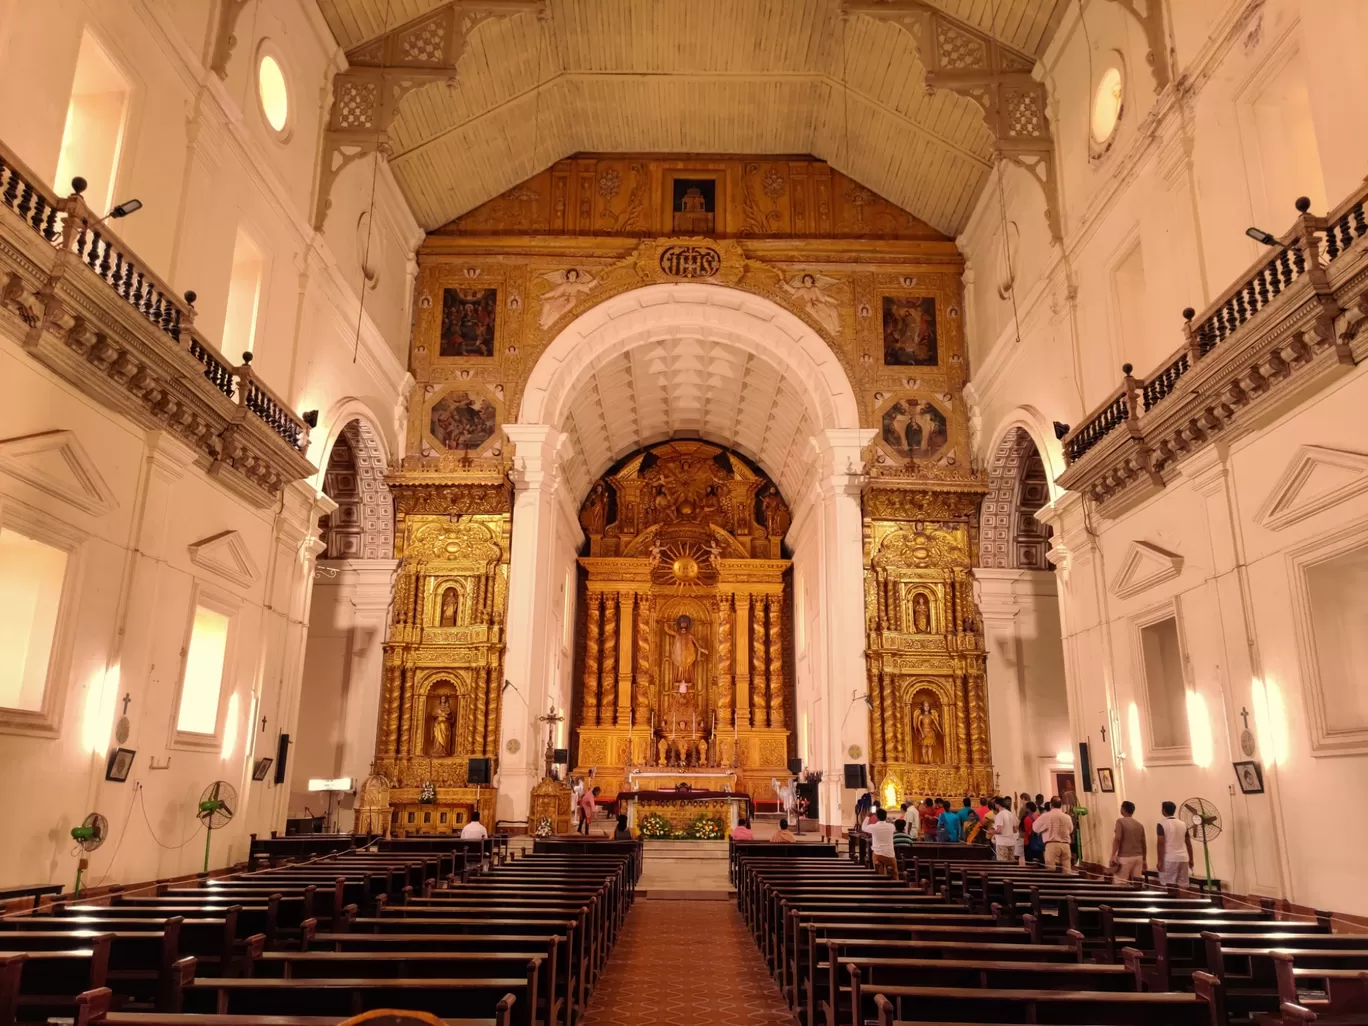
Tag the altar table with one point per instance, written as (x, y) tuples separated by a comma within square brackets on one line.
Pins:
[(682, 807)]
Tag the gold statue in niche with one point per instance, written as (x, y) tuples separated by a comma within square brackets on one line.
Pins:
[(921, 613), (684, 647), (443, 719), (927, 727), (449, 605)]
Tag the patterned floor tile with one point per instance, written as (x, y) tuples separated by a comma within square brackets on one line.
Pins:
[(686, 963)]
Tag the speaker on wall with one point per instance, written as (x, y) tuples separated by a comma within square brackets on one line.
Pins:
[(795, 766), (1085, 766), (282, 754), (561, 756), (856, 776), (477, 771)]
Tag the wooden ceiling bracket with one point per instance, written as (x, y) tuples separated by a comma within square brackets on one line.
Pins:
[(997, 77), (225, 38), (382, 71), (1152, 21)]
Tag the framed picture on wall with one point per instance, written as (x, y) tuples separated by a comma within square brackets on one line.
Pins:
[(1104, 779), (1250, 776), (120, 762), (261, 768)]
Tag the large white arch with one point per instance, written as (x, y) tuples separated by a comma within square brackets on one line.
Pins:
[(820, 476)]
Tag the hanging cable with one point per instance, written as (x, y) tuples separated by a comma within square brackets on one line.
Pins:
[(370, 212), (1001, 169), (142, 804)]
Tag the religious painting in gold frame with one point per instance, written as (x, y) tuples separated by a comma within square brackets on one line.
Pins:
[(461, 417)]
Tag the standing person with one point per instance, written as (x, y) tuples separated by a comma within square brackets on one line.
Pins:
[(902, 814), (862, 807), (1128, 847), (588, 806), (1005, 837), (903, 837), (881, 832), (947, 824), (967, 818), (1174, 860), (1035, 847), (1055, 828), (926, 815)]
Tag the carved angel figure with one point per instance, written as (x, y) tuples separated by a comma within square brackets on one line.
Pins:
[(928, 727), (566, 289), (813, 291)]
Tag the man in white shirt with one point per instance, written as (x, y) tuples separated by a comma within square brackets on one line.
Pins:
[(881, 832), (1175, 859), (474, 830), (1055, 829), (1004, 831)]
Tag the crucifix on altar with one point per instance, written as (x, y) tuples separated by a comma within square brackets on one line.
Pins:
[(551, 718)]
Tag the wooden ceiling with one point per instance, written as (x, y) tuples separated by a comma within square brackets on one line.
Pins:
[(695, 76)]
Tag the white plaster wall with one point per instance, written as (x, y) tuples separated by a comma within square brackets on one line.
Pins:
[(1182, 180), (198, 154)]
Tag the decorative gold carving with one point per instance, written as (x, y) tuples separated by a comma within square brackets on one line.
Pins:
[(592, 651), (776, 662)]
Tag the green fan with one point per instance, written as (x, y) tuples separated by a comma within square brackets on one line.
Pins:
[(216, 807), (88, 836), (1204, 824)]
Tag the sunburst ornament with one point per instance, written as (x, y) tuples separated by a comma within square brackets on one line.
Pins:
[(683, 565)]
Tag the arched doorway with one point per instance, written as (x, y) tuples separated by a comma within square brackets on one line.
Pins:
[(1015, 587), (341, 681), (700, 361)]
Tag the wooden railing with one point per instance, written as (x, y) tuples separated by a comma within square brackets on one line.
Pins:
[(92, 247), (1306, 252)]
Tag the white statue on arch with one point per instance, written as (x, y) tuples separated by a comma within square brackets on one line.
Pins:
[(566, 289), (814, 292)]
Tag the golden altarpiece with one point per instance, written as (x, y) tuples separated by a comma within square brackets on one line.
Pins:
[(495, 288), (685, 624)]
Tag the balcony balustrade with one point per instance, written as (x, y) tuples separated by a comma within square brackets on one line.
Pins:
[(1290, 324), (94, 313)]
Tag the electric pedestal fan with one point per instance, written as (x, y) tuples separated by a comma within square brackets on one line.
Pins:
[(88, 836), (216, 807), (1204, 824)]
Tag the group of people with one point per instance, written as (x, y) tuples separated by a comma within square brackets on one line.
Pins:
[(1035, 831)]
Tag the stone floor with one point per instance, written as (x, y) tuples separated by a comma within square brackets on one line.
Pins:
[(686, 963)]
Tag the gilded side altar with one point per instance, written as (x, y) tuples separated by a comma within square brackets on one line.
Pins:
[(687, 638)]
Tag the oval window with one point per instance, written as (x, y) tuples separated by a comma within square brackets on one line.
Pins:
[(1106, 105), (275, 98)]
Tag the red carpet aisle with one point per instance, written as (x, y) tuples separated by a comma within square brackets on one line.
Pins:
[(686, 963)]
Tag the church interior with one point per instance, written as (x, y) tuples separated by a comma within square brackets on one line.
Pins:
[(502, 498)]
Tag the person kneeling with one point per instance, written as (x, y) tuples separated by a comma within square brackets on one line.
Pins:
[(881, 834)]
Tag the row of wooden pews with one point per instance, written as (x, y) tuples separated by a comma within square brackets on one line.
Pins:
[(968, 941), (460, 931)]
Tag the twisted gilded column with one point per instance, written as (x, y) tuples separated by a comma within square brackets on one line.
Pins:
[(608, 695), (961, 723), (776, 661), (757, 603), (643, 662), (623, 687), (878, 700), (589, 718), (978, 719), (725, 679)]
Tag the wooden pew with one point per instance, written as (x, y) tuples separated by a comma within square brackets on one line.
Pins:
[(141, 963), (1139, 931), (209, 940), (945, 1005), (43, 983), (870, 975), (1345, 990), (93, 1009), (1179, 949)]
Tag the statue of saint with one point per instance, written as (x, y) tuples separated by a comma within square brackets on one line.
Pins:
[(594, 515), (683, 653), (927, 723), (777, 516), (703, 751), (921, 613), (663, 753), (441, 727), (448, 614)]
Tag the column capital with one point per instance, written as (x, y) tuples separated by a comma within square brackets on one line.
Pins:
[(539, 453)]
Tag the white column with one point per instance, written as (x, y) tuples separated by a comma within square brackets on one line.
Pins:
[(539, 512), (840, 576)]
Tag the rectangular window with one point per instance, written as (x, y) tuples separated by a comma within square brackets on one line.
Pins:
[(31, 578), (244, 298), (1165, 686), (203, 680), (94, 129), (1338, 593)]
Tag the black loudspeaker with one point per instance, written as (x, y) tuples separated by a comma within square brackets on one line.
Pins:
[(856, 776), (477, 771), (561, 756), (795, 766), (1085, 766), (282, 755)]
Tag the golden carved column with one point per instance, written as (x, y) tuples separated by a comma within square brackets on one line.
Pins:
[(389, 708), (725, 678), (978, 719), (405, 718), (591, 662), (608, 694), (743, 684), (758, 661), (776, 662), (643, 662), (624, 675), (962, 721), (878, 743)]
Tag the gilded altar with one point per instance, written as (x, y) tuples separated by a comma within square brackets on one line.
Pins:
[(687, 635), (925, 657), (443, 654)]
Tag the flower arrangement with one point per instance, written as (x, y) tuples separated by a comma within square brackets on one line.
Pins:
[(427, 793), (656, 827), (544, 827), (705, 828), (812, 776)]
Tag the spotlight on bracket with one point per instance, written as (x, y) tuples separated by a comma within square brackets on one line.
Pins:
[(1060, 430)]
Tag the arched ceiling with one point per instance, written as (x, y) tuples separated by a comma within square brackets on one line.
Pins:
[(692, 76), (688, 388)]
